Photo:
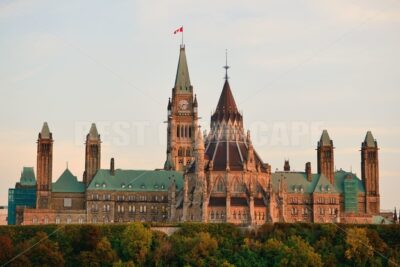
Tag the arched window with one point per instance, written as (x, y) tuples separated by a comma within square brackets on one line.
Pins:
[(182, 131), (234, 214), (46, 220), (239, 215), (94, 219), (180, 152), (190, 132), (212, 215), (69, 219), (58, 220), (238, 186), (219, 187), (34, 220), (80, 220), (188, 152)]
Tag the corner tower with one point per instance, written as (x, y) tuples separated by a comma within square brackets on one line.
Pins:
[(92, 154), (182, 119), (325, 157), (370, 173), (44, 167)]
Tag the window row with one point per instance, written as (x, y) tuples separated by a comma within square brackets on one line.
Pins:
[(184, 131)]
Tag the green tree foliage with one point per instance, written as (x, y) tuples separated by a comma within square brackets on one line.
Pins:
[(6, 249), (197, 244), (136, 242), (359, 250)]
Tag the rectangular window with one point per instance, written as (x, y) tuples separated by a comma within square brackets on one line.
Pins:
[(67, 202)]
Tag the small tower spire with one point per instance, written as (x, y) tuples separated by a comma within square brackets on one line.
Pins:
[(226, 67)]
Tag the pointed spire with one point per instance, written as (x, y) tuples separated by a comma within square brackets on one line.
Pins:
[(395, 215), (199, 140), (226, 101), (93, 134), (369, 140), (182, 80), (45, 132), (325, 139), (195, 101)]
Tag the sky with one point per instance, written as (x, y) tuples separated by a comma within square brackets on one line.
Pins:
[(297, 67)]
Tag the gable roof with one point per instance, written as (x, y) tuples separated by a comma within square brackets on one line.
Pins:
[(324, 186), (135, 180), (68, 183), (27, 177), (339, 181)]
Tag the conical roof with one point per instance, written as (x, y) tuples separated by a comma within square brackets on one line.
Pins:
[(226, 108), (182, 80), (325, 139), (93, 134), (369, 140), (45, 132)]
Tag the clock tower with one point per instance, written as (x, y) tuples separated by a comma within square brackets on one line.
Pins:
[(182, 119)]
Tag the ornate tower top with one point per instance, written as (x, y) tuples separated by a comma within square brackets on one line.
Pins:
[(325, 139), (369, 140), (93, 134), (182, 79), (45, 132)]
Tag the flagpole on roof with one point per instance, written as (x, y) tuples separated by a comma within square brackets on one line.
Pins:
[(182, 35)]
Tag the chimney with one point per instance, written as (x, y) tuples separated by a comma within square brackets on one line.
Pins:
[(112, 169), (286, 166), (308, 171)]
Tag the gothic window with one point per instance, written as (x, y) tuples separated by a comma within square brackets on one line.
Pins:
[(180, 152), (222, 215), (34, 220), (182, 131), (238, 186), (239, 215), (178, 131), (188, 152), (212, 215), (217, 215), (94, 219), (80, 220), (234, 214), (46, 220), (219, 185), (190, 132)]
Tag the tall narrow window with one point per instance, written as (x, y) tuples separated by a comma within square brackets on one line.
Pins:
[(178, 131)]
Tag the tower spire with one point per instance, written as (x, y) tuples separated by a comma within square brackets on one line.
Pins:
[(226, 67)]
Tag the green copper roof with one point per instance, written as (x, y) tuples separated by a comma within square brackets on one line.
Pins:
[(297, 182), (68, 183), (135, 180), (325, 139), (28, 177), (324, 186), (182, 80), (45, 132), (339, 181), (380, 220), (93, 134), (369, 140)]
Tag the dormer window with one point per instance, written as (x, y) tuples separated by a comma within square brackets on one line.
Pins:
[(122, 185), (322, 188), (97, 185), (162, 186), (129, 186), (104, 185), (142, 186)]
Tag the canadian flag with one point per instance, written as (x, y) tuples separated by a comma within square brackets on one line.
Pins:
[(180, 29)]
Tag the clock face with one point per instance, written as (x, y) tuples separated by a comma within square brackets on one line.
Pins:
[(183, 104)]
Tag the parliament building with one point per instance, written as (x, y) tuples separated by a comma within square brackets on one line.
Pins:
[(211, 177)]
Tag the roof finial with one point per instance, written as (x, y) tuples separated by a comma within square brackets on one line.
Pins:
[(226, 67), (67, 165)]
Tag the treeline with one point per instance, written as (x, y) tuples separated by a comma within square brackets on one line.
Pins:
[(200, 245)]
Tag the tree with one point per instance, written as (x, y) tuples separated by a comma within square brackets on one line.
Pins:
[(6, 250), (359, 249), (44, 252), (136, 242)]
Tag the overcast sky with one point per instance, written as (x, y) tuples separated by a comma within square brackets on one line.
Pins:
[(297, 67)]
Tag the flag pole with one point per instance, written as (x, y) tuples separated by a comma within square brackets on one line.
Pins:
[(182, 35)]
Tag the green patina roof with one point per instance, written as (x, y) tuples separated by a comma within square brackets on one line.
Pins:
[(28, 177), (135, 180), (68, 183), (325, 139), (380, 220), (324, 186), (369, 140), (296, 181), (339, 181), (182, 80)]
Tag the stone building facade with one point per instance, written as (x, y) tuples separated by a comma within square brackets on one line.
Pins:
[(207, 177)]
